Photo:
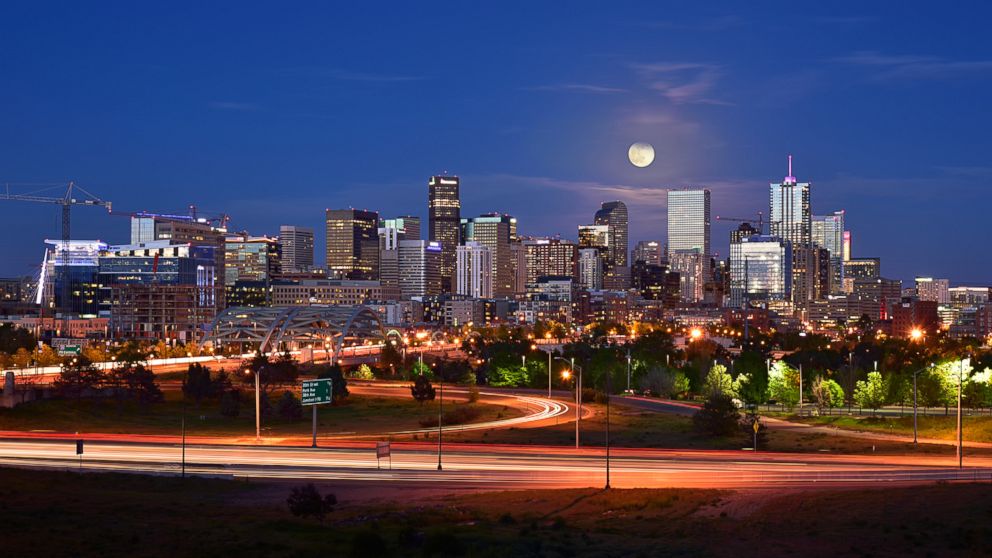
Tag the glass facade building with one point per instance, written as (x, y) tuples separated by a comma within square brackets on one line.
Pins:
[(352, 243), (689, 220), (444, 208), (760, 270)]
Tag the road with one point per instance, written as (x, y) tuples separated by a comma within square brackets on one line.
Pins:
[(494, 466)]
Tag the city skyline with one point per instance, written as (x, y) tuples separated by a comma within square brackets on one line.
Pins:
[(275, 132)]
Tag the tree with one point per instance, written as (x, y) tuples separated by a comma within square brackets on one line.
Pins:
[(718, 416), (783, 384), (289, 407), (827, 394), (199, 385), (13, 338), (78, 377), (339, 384), (305, 501), (870, 393), (271, 374), (391, 357), (718, 381), (364, 372), (422, 390), (977, 393), (508, 376), (420, 369), (141, 385)]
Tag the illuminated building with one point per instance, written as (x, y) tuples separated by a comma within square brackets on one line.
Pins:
[(495, 231), (296, 248), (647, 251), (590, 269), (444, 222), (613, 215), (548, 257), (760, 271), (828, 233), (330, 292), (474, 270), (81, 271), (352, 243), (250, 258), (419, 266), (936, 290)]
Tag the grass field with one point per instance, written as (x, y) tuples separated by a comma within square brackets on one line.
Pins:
[(360, 414), (940, 427), (68, 514)]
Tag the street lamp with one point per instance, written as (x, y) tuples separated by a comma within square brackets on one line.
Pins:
[(915, 374), (258, 406), (578, 393)]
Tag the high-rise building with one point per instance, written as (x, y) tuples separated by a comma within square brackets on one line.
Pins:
[(760, 271), (744, 230), (407, 226), (352, 243), (595, 236), (250, 258), (547, 257), (296, 249), (936, 290), (647, 251), (419, 268), (689, 240), (494, 230), (828, 233), (80, 271), (590, 269), (444, 222), (474, 270), (689, 220), (790, 219), (613, 214)]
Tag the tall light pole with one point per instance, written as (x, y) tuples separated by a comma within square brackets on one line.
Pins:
[(960, 430), (578, 394), (628, 373), (915, 374), (440, 414), (258, 407)]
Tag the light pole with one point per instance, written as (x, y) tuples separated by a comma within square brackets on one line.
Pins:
[(578, 394), (960, 430), (440, 414), (258, 407), (628, 371), (915, 374)]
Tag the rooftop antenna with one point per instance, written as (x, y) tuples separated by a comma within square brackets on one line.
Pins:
[(790, 179)]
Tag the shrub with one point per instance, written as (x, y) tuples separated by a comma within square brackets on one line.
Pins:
[(422, 390), (718, 416), (306, 501)]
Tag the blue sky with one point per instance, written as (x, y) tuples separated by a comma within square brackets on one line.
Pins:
[(273, 112)]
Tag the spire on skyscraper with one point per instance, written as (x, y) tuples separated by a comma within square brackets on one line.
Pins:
[(789, 179)]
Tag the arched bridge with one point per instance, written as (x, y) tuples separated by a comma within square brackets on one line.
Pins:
[(295, 327)]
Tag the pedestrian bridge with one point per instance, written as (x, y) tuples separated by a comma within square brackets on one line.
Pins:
[(288, 328)]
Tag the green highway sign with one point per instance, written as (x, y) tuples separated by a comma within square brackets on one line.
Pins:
[(316, 392), (70, 350)]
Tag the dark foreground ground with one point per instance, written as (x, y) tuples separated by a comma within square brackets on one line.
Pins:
[(71, 514)]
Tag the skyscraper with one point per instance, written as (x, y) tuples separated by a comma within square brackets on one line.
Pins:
[(353, 243), (934, 290), (444, 222), (296, 248), (689, 240), (474, 270), (616, 274), (419, 268), (250, 258), (590, 269), (549, 257), (790, 219), (407, 226), (689, 220), (494, 230), (828, 233)]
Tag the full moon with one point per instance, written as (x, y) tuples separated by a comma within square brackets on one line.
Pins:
[(641, 154)]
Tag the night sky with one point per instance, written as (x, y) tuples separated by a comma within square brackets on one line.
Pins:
[(271, 113)]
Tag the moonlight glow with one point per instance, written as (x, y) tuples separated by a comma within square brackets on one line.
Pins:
[(641, 154)]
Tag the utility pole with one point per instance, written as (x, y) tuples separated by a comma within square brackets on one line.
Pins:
[(960, 433)]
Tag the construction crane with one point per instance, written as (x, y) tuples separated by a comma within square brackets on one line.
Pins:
[(759, 221), (66, 200)]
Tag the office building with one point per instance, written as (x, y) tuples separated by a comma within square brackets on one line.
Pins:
[(613, 215), (828, 233), (936, 290), (444, 222), (548, 257), (419, 268), (790, 219), (70, 278), (296, 248), (692, 268), (474, 270), (689, 220), (647, 251), (325, 292), (250, 258), (495, 231), (352, 243), (760, 271), (407, 227)]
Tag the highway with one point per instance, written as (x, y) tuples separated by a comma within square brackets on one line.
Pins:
[(494, 466)]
